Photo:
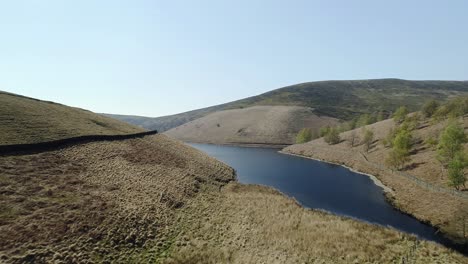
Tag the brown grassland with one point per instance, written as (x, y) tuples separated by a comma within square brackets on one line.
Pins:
[(27, 120), (156, 200), (444, 210)]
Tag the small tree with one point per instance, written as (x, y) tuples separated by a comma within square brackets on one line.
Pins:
[(367, 138), (400, 114), (450, 142), (332, 137), (397, 158), (324, 130), (381, 116), (456, 170), (352, 138), (305, 135), (401, 146), (429, 108), (364, 120)]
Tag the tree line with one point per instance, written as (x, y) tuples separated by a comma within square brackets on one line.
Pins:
[(449, 143)]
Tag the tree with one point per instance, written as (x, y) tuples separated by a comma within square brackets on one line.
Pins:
[(450, 142), (332, 137), (401, 146), (367, 138), (305, 135), (400, 114), (429, 108), (403, 140), (364, 120), (397, 158), (352, 138), (381, 116), (324, 130), (456, 170)]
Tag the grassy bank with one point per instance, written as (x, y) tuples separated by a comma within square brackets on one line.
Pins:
[(423, 194)]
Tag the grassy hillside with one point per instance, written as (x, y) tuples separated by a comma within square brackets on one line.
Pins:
[(155, 200), (420, 187), (338, 99), (275, 125), (28, 120)]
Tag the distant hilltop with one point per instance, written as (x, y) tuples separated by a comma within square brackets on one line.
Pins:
[(323, 101)]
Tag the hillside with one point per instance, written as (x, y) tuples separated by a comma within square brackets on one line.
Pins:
[(337, 99), (28, 120), (275, 125), (156, 200), (419, 189)]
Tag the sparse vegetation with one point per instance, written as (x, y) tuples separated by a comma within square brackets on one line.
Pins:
[(414, 145)]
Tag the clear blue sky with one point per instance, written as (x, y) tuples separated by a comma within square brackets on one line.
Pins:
[(162, 57)]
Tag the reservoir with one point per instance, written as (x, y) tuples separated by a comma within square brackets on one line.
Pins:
[(319, 185)]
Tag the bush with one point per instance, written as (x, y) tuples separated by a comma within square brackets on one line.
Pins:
[(431, 142), (332, 137), (456, 170), (450, 142), (401, 146), (368, 138), (429, 108), (305, 135), (400, 114), (324, 130)]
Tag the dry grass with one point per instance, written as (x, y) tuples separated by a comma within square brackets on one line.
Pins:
[(258, 124), (255, 224), (156, 200), (27, 120), (107, 201), (445, 211)]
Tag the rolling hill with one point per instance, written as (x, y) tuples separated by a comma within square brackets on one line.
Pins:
[(28, 120), (273, 125), (156, 200), (419, 186), (337, 99)]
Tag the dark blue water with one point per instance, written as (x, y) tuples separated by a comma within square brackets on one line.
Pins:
[(319, 185)]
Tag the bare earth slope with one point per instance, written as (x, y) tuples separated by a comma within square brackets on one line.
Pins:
[(427, 197), (276, 125), (28, 120)]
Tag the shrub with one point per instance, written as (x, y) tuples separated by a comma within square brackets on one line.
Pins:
[(456, 170), (450, 142), (400, 114), (305, 135), (401, 145), (324, 130), (368, 138), (332, 137), (429, 108)]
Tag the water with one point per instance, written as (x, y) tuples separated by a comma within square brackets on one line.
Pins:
[(319, 185)]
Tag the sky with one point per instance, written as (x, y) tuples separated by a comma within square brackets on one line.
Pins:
[(155, 58)]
